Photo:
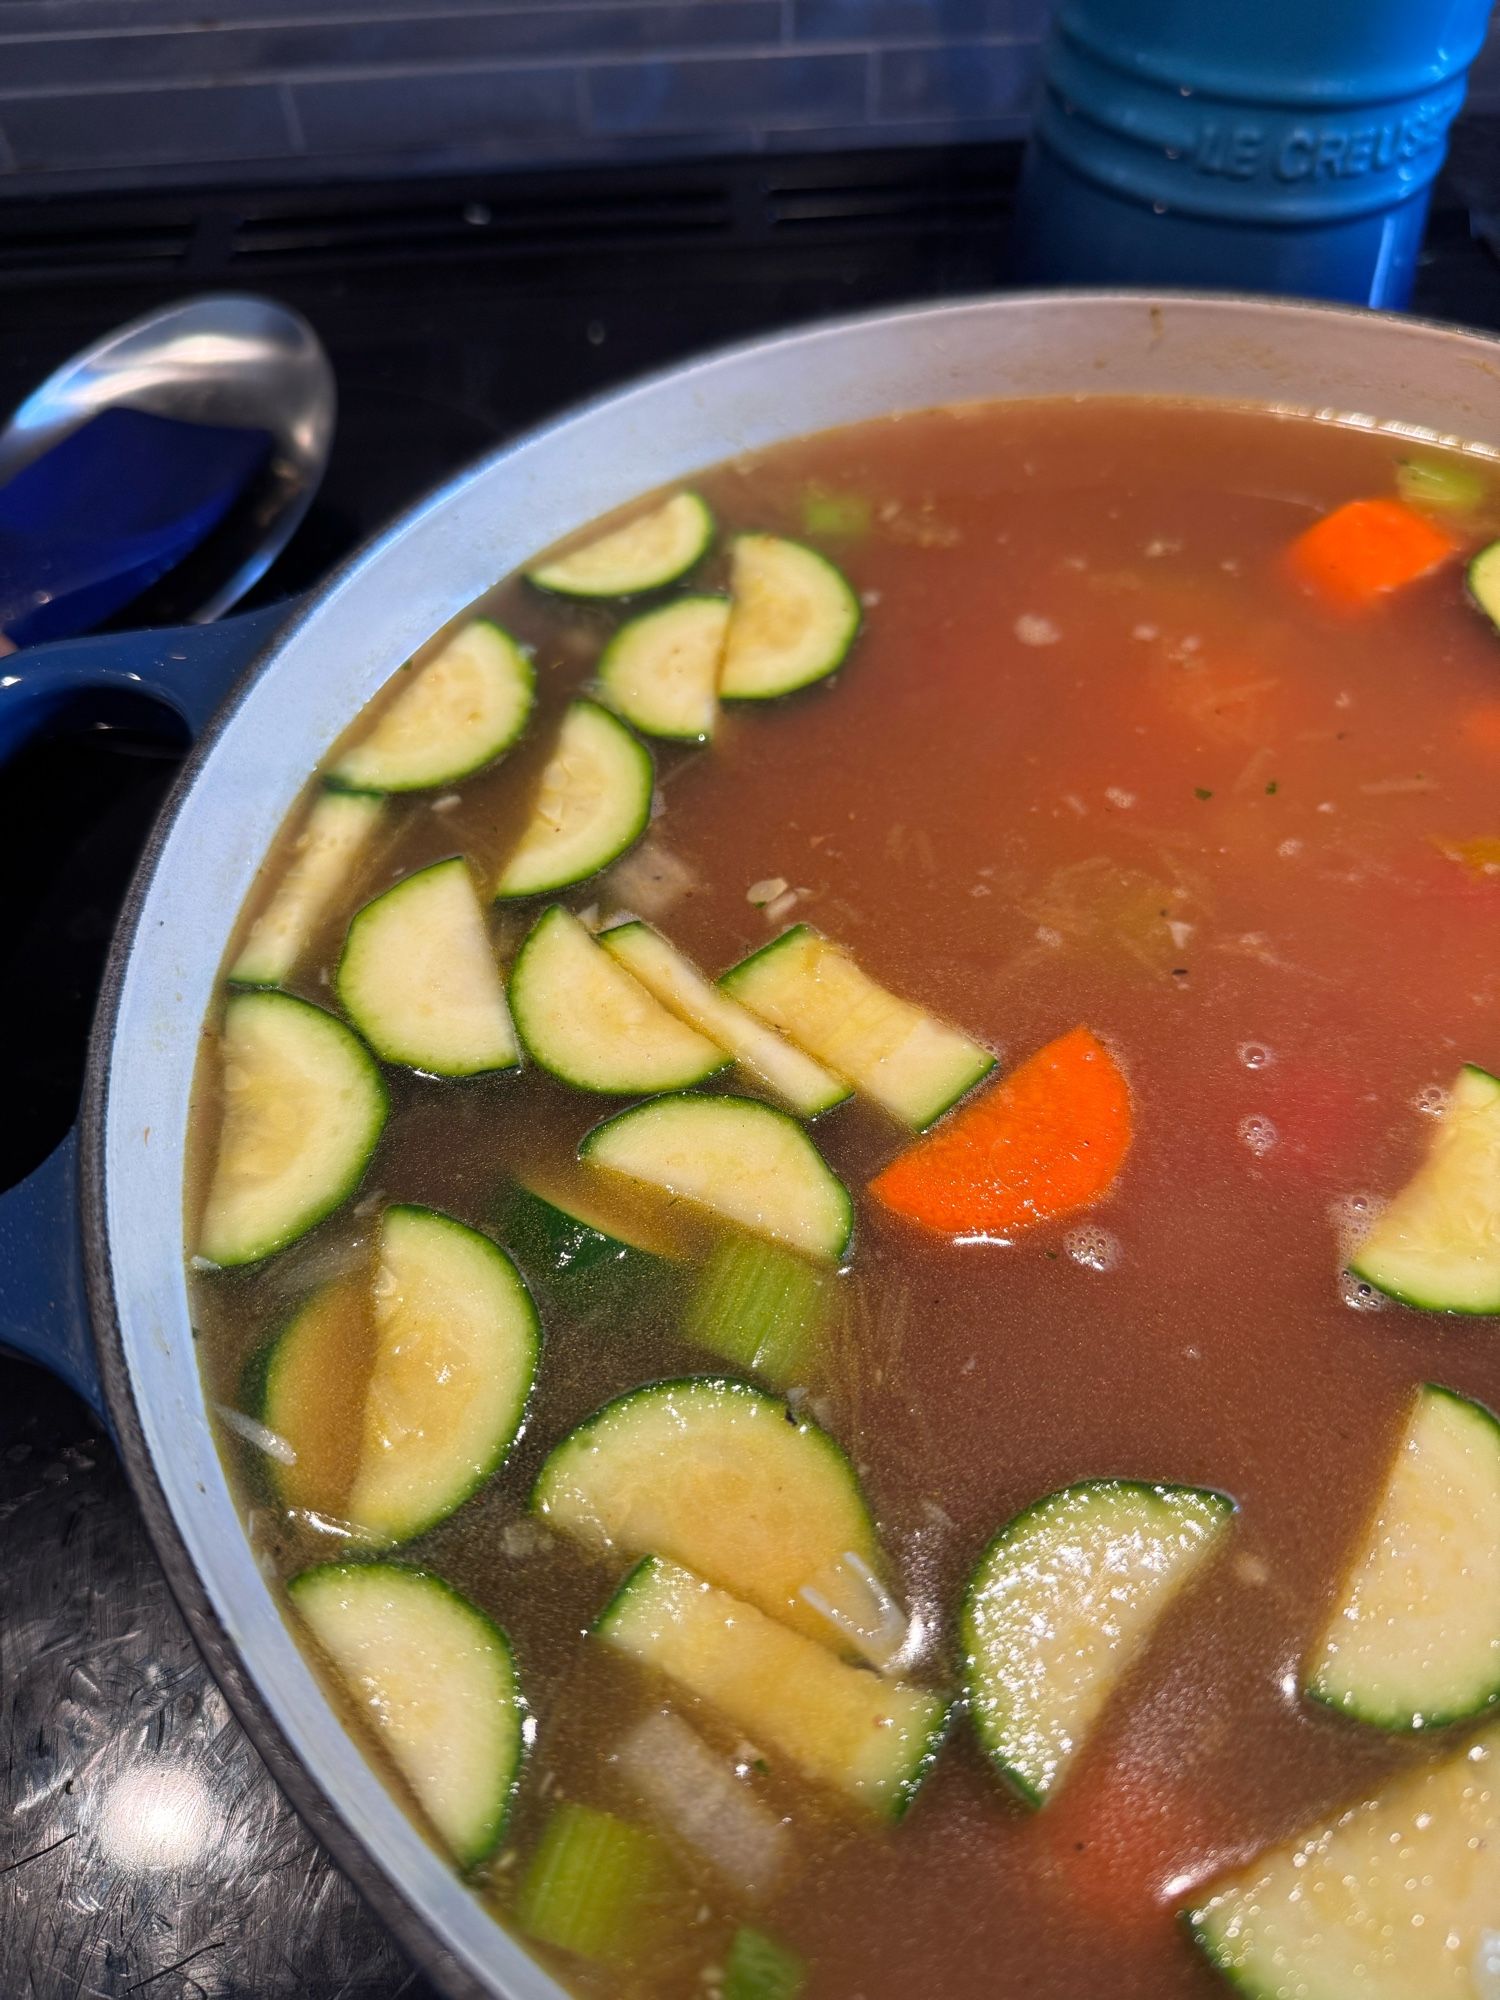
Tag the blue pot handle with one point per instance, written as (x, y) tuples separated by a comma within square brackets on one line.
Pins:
[(43, 1308)]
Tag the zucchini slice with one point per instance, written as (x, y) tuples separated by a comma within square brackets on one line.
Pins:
[(871, 1738), (337, 832), (1414, 1639), (1393, 1900), (436, 1681), (456, 1347), (400, 1396), (589, 1265), (744, 1160), (1438, 1244), (795, 617), (308, 1387), (646, 554), (767, 1056), (584, 1018), (810, 988), (717, 1476), (464, 707), (1060, 1606), (304, 1107), (593, 801), (418, 977), (661, 671), (1483, 579)]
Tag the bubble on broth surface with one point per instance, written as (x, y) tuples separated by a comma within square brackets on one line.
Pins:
[(1431, 1099), (1092, 1247), (1487, 1965), (1033, 630), (1358, 1295), (1258, 1133), (1255, 1055), (1353, 1216)]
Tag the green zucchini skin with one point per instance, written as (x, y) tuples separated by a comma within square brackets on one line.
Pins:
[(633, 574), (1413, 1872), (1437, 1246), (1029, 1736), (543, 862), (247, 1227), (749, 1163), (416, 963), (635, 676), (454, 749), (1406, 1668), (472, 1835), (580, 1267), (773, 567), (590, 1023), (1482, 576)]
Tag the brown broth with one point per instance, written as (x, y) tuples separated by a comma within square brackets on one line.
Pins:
[(1199, 817)]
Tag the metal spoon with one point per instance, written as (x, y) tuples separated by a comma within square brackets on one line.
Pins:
[(221, 359)]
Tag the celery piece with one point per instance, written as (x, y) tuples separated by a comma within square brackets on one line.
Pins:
[(760, 1307), (825, 512), (596, 1886), (758, 1968)]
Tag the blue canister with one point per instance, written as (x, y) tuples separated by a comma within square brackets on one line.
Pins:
[(1279, 145)]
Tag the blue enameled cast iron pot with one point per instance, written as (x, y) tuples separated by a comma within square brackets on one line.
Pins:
[(91, 1256)]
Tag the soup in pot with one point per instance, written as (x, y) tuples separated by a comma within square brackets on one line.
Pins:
[(845, 1220)]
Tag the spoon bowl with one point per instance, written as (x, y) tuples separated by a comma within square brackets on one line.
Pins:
[(225, 358)]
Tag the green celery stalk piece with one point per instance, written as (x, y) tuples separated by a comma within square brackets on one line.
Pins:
[(595, 1886), (759, 1968), (760, 1307)]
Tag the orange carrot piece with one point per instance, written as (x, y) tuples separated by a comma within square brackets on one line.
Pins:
[(1480, 728), (1366, 548), (1047, 1139), (1125, 1843)]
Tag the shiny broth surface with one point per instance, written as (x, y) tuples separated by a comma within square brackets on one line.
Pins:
[(1095, 758)]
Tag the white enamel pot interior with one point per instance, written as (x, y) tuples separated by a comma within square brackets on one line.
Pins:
[(357, 631)]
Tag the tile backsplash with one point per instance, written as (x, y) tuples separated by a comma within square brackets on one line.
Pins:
[(145, 92)]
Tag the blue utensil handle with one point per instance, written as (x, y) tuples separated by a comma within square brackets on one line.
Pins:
[(43, 1307)]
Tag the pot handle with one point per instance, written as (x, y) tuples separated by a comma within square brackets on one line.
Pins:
[(43, 1305)]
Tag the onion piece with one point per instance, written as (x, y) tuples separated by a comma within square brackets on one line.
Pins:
[(260, 1435), (697, 1797), (858, 1606)]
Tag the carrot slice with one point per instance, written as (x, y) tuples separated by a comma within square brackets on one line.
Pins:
[(1049, 1138), (1480, 728), (1126, 1844), (1366, 548)]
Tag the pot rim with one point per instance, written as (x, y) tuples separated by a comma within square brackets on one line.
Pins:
[(416, 1931)]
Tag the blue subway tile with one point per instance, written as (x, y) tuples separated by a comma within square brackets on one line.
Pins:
[(976, 80), (467, 114), (135, 127), (741, 93), (437, 37), (917, 20)]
